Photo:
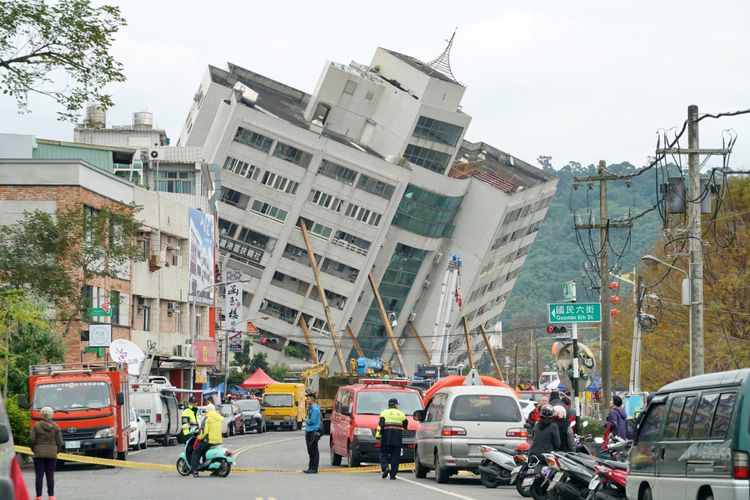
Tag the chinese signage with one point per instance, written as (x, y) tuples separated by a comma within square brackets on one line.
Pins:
[(234, 316), (240, 249), (100, 335), (201, 375), (575, 313), (201, 252), (205, 353)]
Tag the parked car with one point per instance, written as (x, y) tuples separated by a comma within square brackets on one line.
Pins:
[(11, 482), (138, 432), (694, 440), (235, 421), (458, 421), (252, 414)]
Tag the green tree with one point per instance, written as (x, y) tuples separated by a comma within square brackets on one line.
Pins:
[(57, 255), (279, 372), (67, 41), (259, 361)]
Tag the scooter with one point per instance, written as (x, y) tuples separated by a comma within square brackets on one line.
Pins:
[(497, 465), (218, 460), (608, 484)]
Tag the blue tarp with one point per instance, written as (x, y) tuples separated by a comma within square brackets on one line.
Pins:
[(595, 386), (219, 389)]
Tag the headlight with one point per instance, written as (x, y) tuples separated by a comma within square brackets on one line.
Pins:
[(362, 431), (105, 433)]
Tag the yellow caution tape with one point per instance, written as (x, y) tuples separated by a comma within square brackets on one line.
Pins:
[(69, 457)]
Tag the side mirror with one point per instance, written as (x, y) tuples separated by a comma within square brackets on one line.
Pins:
[(23, 401), (4, 434), (419, 415), (120, 399)]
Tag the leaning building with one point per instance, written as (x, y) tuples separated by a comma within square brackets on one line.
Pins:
[(375, 165)]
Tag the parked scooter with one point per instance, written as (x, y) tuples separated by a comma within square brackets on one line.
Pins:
[(218, 460), (608, 484), (498, 464)]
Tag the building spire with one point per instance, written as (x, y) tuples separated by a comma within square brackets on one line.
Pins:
[(443, 62)]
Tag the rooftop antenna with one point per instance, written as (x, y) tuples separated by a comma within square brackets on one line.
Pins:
[(443, 62)]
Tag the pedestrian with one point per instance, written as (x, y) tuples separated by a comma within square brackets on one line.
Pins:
[(210, 437), (390, 433), (546, 434), (312, 434), (45, 440), (617, 420), (189, 419), (563, 423)]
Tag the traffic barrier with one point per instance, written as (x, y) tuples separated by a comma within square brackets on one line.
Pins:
[(126, 464)]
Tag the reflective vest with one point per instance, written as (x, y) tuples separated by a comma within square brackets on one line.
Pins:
[(391, 427), (188, 419)]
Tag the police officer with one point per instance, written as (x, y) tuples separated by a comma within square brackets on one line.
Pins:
[(312, 433), (189, 419), (390, 431)]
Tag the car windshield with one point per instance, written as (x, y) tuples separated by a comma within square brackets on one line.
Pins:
[(277, 400), (373, 402), (484, 408), (248, 404), (226, 410), (72, 395)]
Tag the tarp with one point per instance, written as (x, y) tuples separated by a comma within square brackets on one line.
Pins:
[(454, 380), (258, 380), (595, 385), (219, 389)]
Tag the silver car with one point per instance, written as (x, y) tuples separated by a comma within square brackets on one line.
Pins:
[(458, 421)]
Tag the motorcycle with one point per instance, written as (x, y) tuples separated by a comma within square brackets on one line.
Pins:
[(498, 464), (608, 484), (218, 460)]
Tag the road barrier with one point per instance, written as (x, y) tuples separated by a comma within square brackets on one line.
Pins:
[(109, 462)]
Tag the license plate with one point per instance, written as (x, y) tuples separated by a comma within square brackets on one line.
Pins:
[(72, 445), (527, 481), (594, 483)]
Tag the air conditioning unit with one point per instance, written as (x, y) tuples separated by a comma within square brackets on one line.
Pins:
[(172, 307), (141, 302), (183, 350), (163, 257), (437, 258), (154, 262)]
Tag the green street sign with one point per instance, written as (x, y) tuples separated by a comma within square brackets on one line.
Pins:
[(98, 311), (575, 313)]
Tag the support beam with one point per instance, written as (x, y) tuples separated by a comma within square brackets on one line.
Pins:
[(419, 341), (322, 294), (313, 351), (491, 353), (386, 322), (468, 344), (354, 341)]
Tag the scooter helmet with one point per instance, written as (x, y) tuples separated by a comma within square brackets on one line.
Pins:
[(560, 412), (547, 411)]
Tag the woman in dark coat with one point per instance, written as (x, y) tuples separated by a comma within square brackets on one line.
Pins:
[(546, 434), (45, 440)]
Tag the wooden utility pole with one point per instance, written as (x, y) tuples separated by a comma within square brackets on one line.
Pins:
[(468, 343), (604, 226), (419, 340), (491, 353)]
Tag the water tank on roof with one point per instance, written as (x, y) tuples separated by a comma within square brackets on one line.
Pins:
[(248, 95), (143, 120), (96, 117)]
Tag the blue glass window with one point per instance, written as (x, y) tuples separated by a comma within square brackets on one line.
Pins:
[(427, 158), (427, 214), (437, 131)]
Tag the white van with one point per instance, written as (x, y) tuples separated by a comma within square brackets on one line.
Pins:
[(157, 406), (458, 421)]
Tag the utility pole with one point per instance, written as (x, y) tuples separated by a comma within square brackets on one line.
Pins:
[(604, 226), (635, 356), (694, 243)]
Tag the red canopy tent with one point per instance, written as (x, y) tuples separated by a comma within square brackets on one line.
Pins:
[(258, 380)]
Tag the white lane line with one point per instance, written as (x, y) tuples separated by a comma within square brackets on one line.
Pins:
[(243, 450), (433, 488), (130, 453)]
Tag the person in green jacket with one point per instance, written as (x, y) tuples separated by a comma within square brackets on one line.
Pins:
[(45, 440), (389, 434)]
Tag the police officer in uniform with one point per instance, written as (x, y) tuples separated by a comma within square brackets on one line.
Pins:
[(390, 431), (189, 419)]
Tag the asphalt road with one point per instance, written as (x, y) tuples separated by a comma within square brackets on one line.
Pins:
[(273, 450)]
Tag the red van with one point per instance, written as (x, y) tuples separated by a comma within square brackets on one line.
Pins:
[(356, 412)]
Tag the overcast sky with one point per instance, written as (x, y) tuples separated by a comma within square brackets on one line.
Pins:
[(575, 80)]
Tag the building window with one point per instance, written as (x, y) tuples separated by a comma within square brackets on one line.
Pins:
[(437, 131), (144, 310), (427, 158), (376, 187), (321, 230), (363, 214), (338, 172), (253, 139), (292, 154), (227, 228), (236, 166), (321, 112), (114, 307), (257, 240), (425, 213), (325, 200), (350, 87), (176, 182), (269, 210), (279, 183), (234, 198), (352, 243)]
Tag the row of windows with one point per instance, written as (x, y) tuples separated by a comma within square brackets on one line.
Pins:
[(269, 210), (376, 187), (292, 154), (427, 158), (279, 182), (242, 168), (690, 417), (176, 182), (253, 139), (426, 213), (338, 172), (263, 143), (363, 215), (325, 200), (437, 131)]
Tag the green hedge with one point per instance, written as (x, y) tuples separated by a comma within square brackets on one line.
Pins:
[(20, 421), (595, 427)]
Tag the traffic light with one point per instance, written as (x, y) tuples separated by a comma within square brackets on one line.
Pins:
[(268, 341), (557, 329)]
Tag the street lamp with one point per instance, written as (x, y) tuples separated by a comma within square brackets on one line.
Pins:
[(226, 348), (651, 260)]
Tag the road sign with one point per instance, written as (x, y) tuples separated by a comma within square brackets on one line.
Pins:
[(569, 291), (98, 311), (575, 313)]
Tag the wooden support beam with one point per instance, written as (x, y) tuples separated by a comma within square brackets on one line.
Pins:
[(491, 353), (313, 351), (468, 344), (386, 322), (354, 341), (419, 340)]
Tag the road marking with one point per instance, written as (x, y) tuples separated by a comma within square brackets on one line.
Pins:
[(433, 488), (244, 449)]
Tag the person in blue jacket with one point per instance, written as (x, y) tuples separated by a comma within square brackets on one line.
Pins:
[(312, 433)]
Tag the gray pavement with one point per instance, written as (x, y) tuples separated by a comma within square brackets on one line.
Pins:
[(273, 450)]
